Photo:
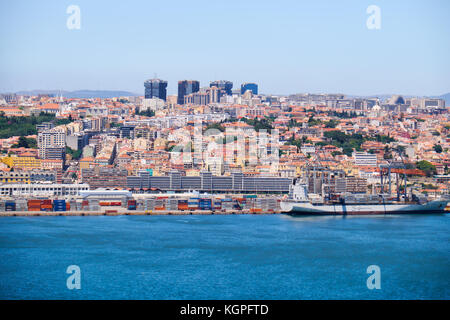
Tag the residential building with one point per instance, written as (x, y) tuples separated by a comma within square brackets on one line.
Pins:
[(52, 144), (103, 177), (365, 159)]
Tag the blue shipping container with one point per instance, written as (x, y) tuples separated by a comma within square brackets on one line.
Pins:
[(10, 206)]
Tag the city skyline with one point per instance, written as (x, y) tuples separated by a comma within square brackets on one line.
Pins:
[(201, 150), (286, 47)]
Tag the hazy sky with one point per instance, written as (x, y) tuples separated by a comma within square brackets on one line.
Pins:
[(284, 46)]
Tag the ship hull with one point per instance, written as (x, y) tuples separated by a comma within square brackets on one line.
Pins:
[(300, 208)]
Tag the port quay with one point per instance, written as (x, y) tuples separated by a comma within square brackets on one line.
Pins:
[(123, 202)]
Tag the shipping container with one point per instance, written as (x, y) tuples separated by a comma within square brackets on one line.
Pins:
[(10, 206), (123, 202), (205, 204), (149, 204), (34, 203), (46, 205), (160, 203), (21, 205), (74, 205), (59, 205), (131, 204), (217, 204), (172, 204), (183, 205), (237, 205), (140, 205), (227, 205), (193, 204)]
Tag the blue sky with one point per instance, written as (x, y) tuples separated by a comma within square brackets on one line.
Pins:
[(284, 46)]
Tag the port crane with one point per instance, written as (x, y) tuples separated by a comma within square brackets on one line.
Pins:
[(399, 169)]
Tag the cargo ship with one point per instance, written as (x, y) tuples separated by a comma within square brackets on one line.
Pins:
[(300, 203)]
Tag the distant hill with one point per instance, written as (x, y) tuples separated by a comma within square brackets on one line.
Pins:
[(446, 97), (81, 94)]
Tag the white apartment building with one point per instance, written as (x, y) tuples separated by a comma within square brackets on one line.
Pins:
[(51, 143), (364, 159)]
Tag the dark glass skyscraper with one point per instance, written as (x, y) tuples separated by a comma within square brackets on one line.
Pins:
[(155, 88), (253, 87), (224, 85), (186, 87)]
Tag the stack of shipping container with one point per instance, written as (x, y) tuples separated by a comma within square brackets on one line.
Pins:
[(10, 205), (248, 203), (132, 205), (34, 205), (59, 205), (21, 205)]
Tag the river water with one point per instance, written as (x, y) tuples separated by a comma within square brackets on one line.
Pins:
[(225, 257)]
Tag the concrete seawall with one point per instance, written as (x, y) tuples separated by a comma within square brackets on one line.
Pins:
[(123, 213)]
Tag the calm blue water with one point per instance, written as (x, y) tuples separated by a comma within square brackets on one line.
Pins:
[(225, 257)]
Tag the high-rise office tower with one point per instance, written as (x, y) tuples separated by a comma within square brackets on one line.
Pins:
[(224, 85), (186, 87), (155, 88), (253, 87)]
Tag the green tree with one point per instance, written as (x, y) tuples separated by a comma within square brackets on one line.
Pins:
[(216, 125), (146, 113), (437, 148), (25, 143), (427, 167), (76, 154), (348, 142), (294, 142), (331, 124), (263, 124), (22, 126), (313, 122), (59, 122)]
